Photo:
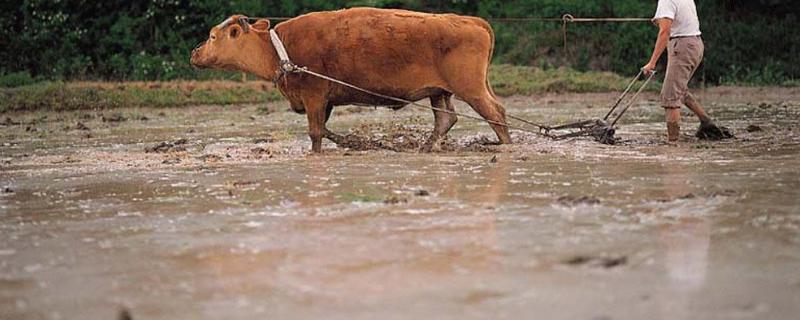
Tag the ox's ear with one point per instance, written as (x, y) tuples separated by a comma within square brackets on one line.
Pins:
[(261, 25)]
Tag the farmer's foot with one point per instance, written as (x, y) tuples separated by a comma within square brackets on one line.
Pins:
[(710, 131)]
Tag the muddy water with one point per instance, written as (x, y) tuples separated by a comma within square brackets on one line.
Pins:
[(238, 222)]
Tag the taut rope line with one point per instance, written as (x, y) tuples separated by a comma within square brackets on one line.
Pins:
[(601, 130)]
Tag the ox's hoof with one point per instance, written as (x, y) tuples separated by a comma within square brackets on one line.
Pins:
[(710, 131), (335, 138), (433, 144)]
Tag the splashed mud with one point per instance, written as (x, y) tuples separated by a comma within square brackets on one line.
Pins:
[(239, 221)]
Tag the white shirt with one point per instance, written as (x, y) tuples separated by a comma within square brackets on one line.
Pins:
[(683, 14)]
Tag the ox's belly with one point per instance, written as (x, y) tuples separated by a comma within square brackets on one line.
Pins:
[(355, 97)]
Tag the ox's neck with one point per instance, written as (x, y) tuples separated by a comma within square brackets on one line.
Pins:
[(264, 64)]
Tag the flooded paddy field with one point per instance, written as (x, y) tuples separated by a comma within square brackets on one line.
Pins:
[(215, 212)]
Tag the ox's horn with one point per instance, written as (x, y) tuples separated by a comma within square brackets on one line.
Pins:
[(244, 24), (242, 21), (225, 24)]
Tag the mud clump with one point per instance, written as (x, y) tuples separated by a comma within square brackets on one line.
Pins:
[(243, 184), (210, 158), (82, 127), (9, 122), (704, 195), (117, 117), (358, 143), (723, 193), (710, 131), (422, 193), (597, 262), (395, 200), (266, 139), (164, 147), (393, 137), (8, 190), (125, 314), (479, 143), (258, 151), (410, 137), (754, 128), (572, 201), (171, 161)]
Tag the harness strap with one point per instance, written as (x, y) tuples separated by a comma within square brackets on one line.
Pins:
[(286, 64)]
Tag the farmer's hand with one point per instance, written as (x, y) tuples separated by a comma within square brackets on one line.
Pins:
[(649, 68)]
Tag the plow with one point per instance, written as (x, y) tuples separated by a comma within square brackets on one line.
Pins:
[(602, 130)]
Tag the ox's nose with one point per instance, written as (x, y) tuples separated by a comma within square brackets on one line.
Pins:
[(200, 45), (193, 59)]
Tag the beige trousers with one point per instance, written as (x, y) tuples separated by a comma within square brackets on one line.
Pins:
[(685, 55)]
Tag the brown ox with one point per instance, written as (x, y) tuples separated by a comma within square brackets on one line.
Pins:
[(399, 53)]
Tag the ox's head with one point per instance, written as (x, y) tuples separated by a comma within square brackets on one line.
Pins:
[(233, 45)]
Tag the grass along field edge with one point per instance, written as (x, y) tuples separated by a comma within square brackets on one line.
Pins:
[(61, 96)]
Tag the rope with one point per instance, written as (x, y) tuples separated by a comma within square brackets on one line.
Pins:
[(422, 106)]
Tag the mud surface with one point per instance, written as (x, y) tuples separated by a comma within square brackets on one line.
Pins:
[(220, 213)]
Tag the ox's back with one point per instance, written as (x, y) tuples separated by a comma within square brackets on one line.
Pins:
[(395, 51)]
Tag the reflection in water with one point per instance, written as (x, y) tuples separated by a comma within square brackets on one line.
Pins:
[(685, 245), (372, 252)]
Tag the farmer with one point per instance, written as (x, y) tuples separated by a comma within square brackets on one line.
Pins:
[(679, 33)]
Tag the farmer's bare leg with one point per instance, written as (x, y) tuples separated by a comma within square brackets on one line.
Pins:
[(673, 117), (684, 56), (695, 106)]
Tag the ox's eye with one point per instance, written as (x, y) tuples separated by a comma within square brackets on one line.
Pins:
[(213, 37)]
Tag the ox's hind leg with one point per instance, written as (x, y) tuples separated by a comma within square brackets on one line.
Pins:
[(444, 120), (467, 79), (488, 107), (328, 134)]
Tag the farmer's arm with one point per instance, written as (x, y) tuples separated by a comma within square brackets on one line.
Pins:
[(664, 27)]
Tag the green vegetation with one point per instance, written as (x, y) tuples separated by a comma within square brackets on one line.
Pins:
[(748, 41), (509, 80), (16, 79), (59, 96), (506, 80)]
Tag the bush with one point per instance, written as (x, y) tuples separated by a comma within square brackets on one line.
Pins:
[(151, 40), (16, 79)]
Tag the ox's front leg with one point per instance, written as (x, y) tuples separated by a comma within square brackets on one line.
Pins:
[(445, 118), (316, 114)]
